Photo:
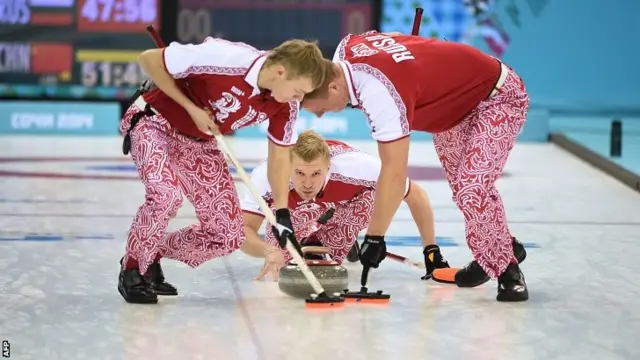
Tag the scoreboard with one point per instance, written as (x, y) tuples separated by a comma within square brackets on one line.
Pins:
[(88, 48), (267, 23), (73, 48)]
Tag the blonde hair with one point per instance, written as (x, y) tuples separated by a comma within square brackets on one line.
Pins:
[(301, 59), (330, 74), (310, 146)]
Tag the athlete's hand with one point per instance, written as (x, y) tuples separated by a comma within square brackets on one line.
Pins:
[(204, 120), (273, 261), (283, 231), (373, 251)]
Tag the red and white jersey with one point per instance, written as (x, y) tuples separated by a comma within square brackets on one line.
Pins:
[(350, 172), (405, 83), (224, 76)]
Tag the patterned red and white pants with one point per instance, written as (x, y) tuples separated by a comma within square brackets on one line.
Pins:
[(171, 166), (339, 233), (473, 155)]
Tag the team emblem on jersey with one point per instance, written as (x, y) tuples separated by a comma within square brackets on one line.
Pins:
[(362, 50), (227, 104), (252, 115)]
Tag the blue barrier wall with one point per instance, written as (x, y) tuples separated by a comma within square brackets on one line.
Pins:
[(351, 124), (578, 55), (101, 119), (58, 118)]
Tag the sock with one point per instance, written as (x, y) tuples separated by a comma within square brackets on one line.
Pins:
[(131, 263), (430, 252)]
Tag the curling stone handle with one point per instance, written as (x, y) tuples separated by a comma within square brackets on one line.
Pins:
[(324, 218), (322, 221), (315, 250)]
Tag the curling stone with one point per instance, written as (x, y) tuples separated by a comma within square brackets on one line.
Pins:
[(333, 277)]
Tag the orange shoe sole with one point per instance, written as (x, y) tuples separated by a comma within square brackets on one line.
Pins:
[(445, 276)]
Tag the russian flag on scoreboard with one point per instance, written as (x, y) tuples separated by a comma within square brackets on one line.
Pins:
[(51, 15)]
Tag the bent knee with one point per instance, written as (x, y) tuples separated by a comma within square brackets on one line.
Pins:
[(471, 188), (164, 200), (229, 225)]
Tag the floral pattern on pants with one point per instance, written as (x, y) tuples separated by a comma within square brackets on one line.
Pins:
[(473, 154), (171, 165)]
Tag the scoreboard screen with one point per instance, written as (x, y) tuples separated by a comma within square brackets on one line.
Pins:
[(88, 48), (267, 23), (73, 48)]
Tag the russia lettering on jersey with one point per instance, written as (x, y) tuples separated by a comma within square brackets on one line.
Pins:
[(351, 171), (369, 61), (387, 44), (398, 52), (408, 83)]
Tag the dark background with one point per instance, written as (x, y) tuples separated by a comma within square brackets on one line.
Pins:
[(261, 23)]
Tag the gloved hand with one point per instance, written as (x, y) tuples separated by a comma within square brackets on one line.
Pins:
[(373, 251), (283, 231)]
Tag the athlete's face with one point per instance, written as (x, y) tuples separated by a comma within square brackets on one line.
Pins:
[(287, 89), (308, 178), (335, 100)]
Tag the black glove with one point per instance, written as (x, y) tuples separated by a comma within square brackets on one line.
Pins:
[(373, 251), (283, 231)]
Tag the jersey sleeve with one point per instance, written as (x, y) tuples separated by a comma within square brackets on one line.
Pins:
[(388, 107), (339, 54), (282, 128), (363, 166), (181, 60), (260, 180)]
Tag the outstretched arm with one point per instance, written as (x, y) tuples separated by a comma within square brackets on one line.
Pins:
[(278, 173), (253, 243), (282, 136), (253, 218), (256, 247), (389, 108), (252, 214), (391, 184), (422, 213)]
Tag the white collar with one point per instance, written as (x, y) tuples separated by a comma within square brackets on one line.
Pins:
[(252, 75), (346, 68)]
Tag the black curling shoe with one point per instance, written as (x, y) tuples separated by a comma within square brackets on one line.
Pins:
[(473, 275), (155, 277), (511, 285), (134, 288)]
